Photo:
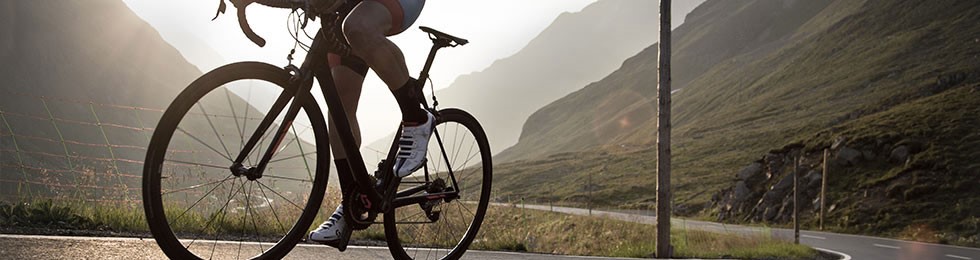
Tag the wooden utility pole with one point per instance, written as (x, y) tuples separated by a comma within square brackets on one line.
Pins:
[(663, 136), (588, 187), (796, 196), (823, 187)]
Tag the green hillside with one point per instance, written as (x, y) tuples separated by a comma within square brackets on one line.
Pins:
[(820, 68)]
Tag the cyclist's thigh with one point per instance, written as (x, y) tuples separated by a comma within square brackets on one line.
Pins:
[(348, 74), (403, 13)]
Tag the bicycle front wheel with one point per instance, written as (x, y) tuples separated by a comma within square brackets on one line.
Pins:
[(196, 206), (458, 162)]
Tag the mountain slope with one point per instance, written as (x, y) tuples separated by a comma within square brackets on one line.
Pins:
[(577, 48), (846, 62), (621, 102), (104, 75)]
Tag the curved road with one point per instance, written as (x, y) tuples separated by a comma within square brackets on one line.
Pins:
[(848, 246)]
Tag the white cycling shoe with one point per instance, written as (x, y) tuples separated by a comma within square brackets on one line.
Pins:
[(412, 146), (333, 231)]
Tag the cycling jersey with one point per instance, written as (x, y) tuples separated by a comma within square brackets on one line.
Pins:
[(403, 13)]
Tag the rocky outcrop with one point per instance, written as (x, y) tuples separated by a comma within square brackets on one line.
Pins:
[(763, 190)]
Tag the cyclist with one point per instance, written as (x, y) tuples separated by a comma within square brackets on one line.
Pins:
[(366, 28)]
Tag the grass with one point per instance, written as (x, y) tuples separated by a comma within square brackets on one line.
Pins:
[(505, 228)]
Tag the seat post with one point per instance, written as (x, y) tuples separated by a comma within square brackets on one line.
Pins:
[(436, 45), (424, 76)]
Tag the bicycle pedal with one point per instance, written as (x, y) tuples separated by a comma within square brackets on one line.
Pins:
[(340, 244)]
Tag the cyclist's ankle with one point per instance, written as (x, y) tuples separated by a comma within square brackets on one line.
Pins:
[(408, 101)]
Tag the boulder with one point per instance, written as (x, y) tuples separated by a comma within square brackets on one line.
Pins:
[(900, 154), (848, 156), (751, 174), (778, 190), (868, 155), (742, 193)]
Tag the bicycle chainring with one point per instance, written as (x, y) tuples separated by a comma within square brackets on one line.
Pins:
[(360, 210)]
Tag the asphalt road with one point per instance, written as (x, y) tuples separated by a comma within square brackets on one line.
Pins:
[(848, 246), (56, 247)]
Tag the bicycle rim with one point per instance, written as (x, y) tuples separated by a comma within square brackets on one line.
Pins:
[(411, 231), (196, 207)]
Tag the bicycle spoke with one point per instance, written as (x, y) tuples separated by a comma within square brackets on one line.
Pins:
[(273, 208), (280, 195), (292, 157), (456, 145), (213, 129), (295, 138), (248, 208), (199, 200), (203, 143), (286, 178), (211, 220), (215, 238), (198, 186), (197, 164), (241, 132)]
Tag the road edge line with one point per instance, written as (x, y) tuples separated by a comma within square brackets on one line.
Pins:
[(843, 255)]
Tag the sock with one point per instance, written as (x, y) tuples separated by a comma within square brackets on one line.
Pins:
[(408, 100)]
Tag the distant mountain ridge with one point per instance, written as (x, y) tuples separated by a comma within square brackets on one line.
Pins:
[(577, 48), (624, 101)]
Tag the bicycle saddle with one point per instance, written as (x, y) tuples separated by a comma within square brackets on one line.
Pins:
[(444, 36)]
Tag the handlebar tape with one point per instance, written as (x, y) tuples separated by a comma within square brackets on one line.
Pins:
[(243, 20)]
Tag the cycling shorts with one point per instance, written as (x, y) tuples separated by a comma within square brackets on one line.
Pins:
[(403, 13)]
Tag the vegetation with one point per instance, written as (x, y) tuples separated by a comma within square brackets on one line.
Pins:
[(505, 228), (872, 72)]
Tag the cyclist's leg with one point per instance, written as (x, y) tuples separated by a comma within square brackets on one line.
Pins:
[(348, 73), (367, 28), (349, 77)]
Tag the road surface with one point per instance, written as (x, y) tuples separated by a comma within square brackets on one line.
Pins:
[(848, 246), (57, 247)]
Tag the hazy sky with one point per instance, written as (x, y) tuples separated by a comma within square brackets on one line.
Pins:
[(496, 29)]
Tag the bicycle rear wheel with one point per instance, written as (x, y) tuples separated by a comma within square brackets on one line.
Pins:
[(459, 157), (195, 206)]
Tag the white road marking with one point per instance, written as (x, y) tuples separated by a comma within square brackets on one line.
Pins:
[(843, 255), (959, 257), (887, 246), (809, 236)]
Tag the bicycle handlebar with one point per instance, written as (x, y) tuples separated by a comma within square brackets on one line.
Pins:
[(241, 5), (343, 6)]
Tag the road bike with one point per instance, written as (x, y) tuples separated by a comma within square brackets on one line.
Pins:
[(231, 164)]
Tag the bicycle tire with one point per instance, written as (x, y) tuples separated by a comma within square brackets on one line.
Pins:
[(156, 209), (397, 231)]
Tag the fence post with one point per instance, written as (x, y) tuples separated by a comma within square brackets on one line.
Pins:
[(823, 187), (796, 196), (663, 135), (139, 119), (588, 188), (111, 152), (61, 138), (20, 186)]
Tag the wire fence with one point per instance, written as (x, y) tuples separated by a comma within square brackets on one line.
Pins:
[(66, 149)]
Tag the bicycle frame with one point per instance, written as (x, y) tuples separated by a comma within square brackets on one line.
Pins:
[(315, 66)]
